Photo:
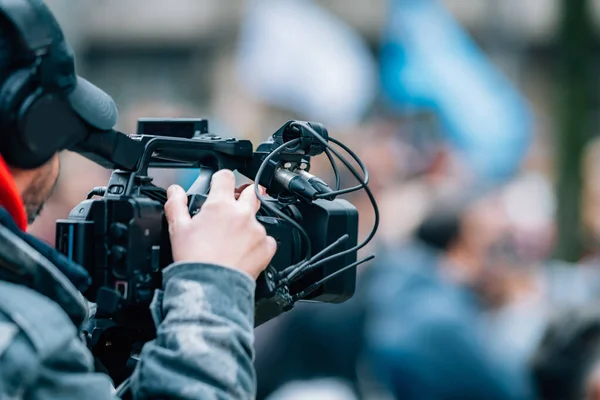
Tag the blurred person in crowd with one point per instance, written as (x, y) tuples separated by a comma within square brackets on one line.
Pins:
[(480, 259), (204, 343), (566, 365), (424, 333), (531, 285)]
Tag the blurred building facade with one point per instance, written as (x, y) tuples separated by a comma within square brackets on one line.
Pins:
[(179, 50)]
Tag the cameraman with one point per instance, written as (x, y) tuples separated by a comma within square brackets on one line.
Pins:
[(204, 314)]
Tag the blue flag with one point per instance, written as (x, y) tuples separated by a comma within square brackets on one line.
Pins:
[(428, 62)]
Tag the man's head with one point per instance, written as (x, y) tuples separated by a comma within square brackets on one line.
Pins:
[(34, 185), (469, 229), (464, 226), (44, 106)]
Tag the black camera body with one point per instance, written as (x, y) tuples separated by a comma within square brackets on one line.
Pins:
[(122, 238), (123, 243)]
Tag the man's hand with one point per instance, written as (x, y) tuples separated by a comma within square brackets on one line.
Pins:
[(225, 231)]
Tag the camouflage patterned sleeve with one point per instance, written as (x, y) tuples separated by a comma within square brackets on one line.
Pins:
[(205, 338)]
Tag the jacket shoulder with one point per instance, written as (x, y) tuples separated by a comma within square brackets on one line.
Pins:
[(33, 330), (41, 321), (41, 355)]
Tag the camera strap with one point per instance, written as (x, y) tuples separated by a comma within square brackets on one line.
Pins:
[(74, 272)]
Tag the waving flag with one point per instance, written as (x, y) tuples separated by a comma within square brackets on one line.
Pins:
[(429, 62)]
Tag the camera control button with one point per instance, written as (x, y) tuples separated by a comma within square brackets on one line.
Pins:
[(117, 254), (118, 231)]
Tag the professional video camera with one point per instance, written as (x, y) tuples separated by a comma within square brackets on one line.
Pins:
[(122, 239)]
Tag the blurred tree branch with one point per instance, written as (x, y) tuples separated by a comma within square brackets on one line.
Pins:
[(575, 85)]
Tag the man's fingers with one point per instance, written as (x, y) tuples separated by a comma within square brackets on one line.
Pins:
[(249, 198), (176, 209), (271, 247), (262, 255), (222, 186)]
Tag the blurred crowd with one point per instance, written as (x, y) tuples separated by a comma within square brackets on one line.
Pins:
[(465, 299)]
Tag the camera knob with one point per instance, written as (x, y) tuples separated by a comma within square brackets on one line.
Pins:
[(117, 261), (118, 232)]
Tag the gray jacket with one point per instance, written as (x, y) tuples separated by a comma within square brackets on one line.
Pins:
[(203, 350)]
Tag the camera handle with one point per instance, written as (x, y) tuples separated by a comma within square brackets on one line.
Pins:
[(198, 192)]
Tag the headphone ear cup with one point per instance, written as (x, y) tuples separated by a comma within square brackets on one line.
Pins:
[(15, 90), (36, 125), (48, 124)]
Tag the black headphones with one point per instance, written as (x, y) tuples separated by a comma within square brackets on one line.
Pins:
[(36, 118)]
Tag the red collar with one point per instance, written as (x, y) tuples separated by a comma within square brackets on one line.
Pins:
[(10, 197)]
